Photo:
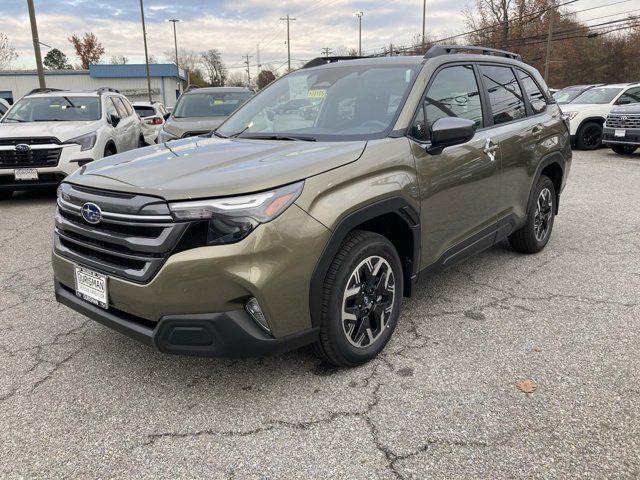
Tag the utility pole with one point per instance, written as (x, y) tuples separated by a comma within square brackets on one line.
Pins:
[(326, 51), (359, 15), (391, 49), (246, 62), (288, 20), (36, 43), (175, 43), (258, 58), (146, 53), (551, 14), (424, 21)]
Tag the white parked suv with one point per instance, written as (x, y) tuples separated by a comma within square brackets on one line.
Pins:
[(49, 133), (152, 115), (588, 111)]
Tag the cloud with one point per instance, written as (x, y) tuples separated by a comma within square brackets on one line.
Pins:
[(234, 27)]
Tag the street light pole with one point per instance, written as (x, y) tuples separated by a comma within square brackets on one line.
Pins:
[(146, 52), (175, 43), (36, 43), (359, 15)]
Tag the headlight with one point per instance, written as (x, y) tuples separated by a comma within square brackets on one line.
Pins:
[(165, 136), (231, 219), (86, 142)]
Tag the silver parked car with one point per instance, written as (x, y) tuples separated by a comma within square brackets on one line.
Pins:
[(201, 110)]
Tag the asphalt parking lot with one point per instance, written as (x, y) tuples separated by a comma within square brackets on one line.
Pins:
[(78, 400)]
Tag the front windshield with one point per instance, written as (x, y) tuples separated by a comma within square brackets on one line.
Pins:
[(598, 95), (54, 109), (343, 102), (566, 94), (211, 104)]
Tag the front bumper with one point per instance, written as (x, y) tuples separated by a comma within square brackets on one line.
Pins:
[(230, 334), (632, 136), (70, 159)]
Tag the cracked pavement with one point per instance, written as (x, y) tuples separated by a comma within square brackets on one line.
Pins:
[(79, 400)]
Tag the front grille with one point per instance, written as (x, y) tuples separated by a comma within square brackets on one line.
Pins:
[(29, 141), (47, 157), (626, 121), (133, 240)]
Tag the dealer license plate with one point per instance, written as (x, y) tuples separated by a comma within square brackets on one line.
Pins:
[(92, 287), (25, 174), (620, 133)]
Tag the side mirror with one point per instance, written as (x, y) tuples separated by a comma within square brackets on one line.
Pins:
[(623, 101), (166, 116), (449, 131), (114, 120)]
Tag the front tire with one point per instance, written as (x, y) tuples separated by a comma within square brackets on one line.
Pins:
[(589, 136), (361, 300), (624, 149), (535, 234)]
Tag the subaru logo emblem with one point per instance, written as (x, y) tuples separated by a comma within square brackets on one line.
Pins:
[(22, 147), (91, 213)]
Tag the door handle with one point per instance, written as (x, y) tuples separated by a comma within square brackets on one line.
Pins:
[(490, 149), (536, 130)]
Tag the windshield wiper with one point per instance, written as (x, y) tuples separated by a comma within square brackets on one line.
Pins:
[(17, 120), (280, 137), (217, 134)]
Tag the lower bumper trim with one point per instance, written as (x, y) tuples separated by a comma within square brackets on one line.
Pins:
[(226, 334)]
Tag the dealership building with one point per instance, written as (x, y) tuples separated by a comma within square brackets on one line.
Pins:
[(167, 82)]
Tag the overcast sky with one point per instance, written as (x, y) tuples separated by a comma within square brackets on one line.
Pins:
[(236, 26)]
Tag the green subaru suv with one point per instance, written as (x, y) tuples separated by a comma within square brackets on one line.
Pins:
[(284, 228)]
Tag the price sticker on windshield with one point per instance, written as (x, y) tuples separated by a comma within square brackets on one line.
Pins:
[(317, 93)]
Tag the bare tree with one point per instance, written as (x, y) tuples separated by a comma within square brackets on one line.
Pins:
[(7, 52), (236, 79), (187, 59), (88, 49), (214, 67), (119, 59)]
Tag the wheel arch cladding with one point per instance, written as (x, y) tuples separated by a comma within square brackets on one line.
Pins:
[(393, 218), (599, 120), (111, 146), (552, 166)]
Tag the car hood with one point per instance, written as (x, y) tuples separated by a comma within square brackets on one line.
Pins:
[(581, 107), (202, 167), (63, 131), (630, 109), (180, 126)]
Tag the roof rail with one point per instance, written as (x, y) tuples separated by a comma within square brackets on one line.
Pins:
[(102, 90), (44, 90), (324, 60), (438, 50), (191, 87)]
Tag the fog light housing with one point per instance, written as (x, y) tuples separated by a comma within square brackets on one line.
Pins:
[(253, 309)]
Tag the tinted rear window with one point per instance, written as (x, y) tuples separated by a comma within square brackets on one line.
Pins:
[(505, 96), (144, 111)]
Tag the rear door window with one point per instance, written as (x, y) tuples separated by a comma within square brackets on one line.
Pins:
[(453, 92), (122, 111), (536, 97), (505, 96)]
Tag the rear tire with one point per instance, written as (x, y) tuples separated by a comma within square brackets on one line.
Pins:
[(589, 136), (535, 234), (6, 194), (624, 149), (361, 300)]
